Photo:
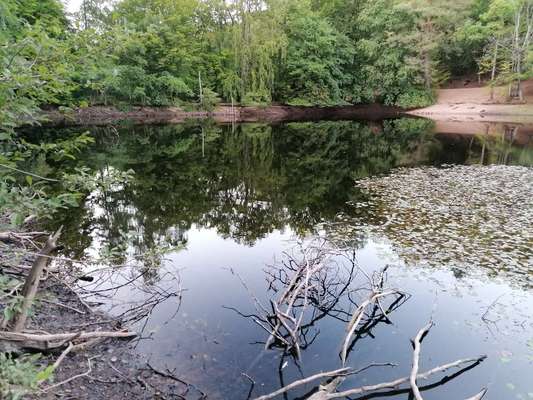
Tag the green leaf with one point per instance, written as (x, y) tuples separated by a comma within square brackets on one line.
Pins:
[(45, 374)]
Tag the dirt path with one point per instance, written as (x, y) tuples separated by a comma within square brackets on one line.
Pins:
[(475, 104)]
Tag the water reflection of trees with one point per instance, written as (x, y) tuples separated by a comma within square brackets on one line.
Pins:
[(245, 181), (488, 143)]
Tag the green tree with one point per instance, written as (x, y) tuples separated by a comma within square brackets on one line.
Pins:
[(315, 69)]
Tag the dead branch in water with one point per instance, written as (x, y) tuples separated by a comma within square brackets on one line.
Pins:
[(398, 382), (314, 283), (416, 357), (327, 393), (358, 316), (295, 384), (478, 396)]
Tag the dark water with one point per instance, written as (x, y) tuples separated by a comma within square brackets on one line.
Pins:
[(212, 198)]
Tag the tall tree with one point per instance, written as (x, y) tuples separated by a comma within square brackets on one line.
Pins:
[(433, 19)]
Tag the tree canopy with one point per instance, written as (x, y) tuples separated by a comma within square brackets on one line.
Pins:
[(259, 51)]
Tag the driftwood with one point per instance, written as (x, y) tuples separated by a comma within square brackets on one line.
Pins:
[(401, 381), (285, 389), (52, 341)]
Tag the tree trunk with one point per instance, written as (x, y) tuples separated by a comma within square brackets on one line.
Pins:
[(494, 64), (427, 70)]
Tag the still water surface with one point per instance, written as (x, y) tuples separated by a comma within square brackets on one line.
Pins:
[(213, 199)]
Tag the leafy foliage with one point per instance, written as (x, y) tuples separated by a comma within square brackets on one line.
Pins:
[(19, 376)]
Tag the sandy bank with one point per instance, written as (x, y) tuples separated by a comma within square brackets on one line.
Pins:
[(475, 104)]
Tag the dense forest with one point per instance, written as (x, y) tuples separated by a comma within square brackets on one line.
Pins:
[(309, 52)]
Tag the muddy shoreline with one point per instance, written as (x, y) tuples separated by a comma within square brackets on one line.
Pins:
[(100, 115), (110, 367)]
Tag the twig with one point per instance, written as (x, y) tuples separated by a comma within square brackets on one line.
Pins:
[(170, 375), (63, 355), (28, 173), (63, 306), (120, 373), (337, 372), (252, 384), (479, 396), (71, 378)]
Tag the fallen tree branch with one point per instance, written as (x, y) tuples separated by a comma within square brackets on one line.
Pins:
[(19, 236), (52, 341), (337, 372), (400, 381), (416, 358), (324, 394), (356, 319)]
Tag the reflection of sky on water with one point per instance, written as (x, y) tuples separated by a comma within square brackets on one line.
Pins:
[(211, 346)]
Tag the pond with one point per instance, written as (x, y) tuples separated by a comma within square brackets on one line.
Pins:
[(214, 209)]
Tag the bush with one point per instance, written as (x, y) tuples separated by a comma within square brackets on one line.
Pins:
[(415, 98), (20, 376), (210, 99), (257, 98)]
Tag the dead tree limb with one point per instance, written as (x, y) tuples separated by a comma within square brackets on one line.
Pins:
[(53, 341), (416, 358), (19, 236), (295, 384), (479, 396), (32, 281), (356, 319), (325, 392), (401, 381)]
